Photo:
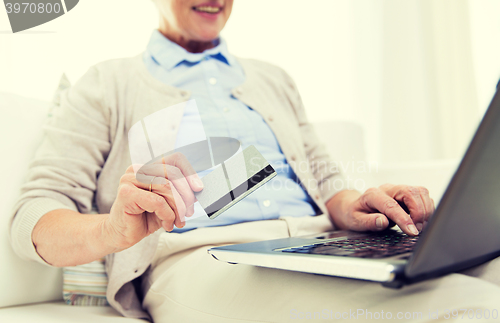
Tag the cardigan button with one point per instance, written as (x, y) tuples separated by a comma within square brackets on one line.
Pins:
[(293, 157), (316, 196), (270, 118), (238, 90)]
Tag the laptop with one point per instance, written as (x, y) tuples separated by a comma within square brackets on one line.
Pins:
[(463, 232)]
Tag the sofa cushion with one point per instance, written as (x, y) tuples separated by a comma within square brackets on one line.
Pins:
[(21, 132)]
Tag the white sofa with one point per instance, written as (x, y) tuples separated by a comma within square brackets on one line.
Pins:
[(31, 292)]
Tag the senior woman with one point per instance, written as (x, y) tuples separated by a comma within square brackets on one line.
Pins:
[(156, 262)]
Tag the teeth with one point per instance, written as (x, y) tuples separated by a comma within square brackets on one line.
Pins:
[(208, 9)]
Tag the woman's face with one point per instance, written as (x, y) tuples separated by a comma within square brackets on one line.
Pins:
[(193, 20)]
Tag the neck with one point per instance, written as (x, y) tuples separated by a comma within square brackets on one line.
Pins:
[(192, 46), (199, 47)]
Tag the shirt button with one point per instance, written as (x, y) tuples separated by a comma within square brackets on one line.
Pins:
[(266, 203), (212, 81), (184, 94), (206, 58), (226, 109)]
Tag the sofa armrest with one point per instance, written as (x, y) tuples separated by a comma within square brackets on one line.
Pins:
[(21, 281)]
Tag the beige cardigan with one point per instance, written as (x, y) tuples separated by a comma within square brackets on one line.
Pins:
[(85, 152)]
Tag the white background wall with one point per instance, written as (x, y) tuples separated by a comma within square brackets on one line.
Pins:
[(418, 74)]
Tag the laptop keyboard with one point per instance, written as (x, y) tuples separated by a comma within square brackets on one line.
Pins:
[(376, 245)]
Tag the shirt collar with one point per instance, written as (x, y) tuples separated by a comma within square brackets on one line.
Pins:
[(169, 55)]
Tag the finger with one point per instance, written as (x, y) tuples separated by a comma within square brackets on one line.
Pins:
[(135, 201), (369, 222), (175, 201), (189, 210), (157, 169), (410, 196), (180, 203), (134, 168), (154, 203), (174, 175), (161, 168), (180, 161), (166, 190), (429, 207), (428, 202), (376, 199), (433, 209), (185, 194), (127, 178), (162, 186), (153, 220), (419, 217), (180, 208)]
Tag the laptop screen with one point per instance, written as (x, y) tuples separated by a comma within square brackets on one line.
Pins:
[(465, 228)]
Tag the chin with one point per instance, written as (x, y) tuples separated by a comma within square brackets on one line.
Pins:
[(207, 32), (205, 37)]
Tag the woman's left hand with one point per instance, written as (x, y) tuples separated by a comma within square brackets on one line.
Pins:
[(372, 210)]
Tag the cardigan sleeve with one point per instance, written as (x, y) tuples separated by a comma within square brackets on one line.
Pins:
[(64, 172)]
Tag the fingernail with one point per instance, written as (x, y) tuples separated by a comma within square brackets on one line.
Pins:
[(198, 182), (419, 226), (412, 229), (379, 223)]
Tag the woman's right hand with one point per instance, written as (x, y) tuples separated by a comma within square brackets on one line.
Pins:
[(137, 212)]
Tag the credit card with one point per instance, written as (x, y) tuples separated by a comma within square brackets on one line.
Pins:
[(233, 180)]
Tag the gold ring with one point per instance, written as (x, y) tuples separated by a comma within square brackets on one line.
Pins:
[(151, 184)]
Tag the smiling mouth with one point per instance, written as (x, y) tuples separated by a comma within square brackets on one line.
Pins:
[(208, 9)]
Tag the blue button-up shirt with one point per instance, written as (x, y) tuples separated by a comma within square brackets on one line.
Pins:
[(210, 76)]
